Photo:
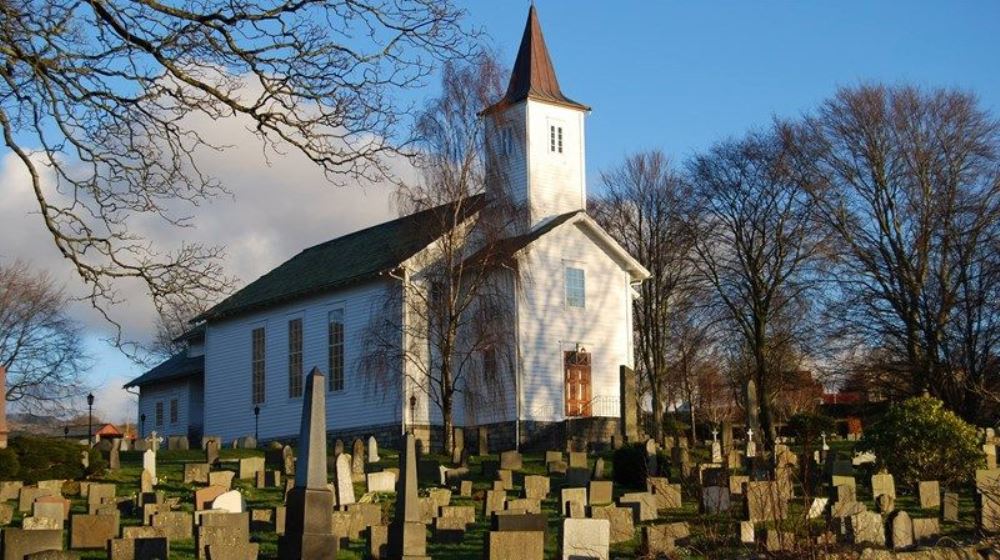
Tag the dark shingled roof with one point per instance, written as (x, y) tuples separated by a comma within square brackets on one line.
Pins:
[(533, 76), (346, 260), (177, 366)]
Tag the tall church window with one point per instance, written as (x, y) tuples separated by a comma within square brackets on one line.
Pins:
[(575, 287), (159, 413), (336, 349), (295, 358), (556, 138), (174, 412), (257, 370), (506, 141)]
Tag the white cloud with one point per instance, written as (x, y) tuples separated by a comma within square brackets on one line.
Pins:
[(277, 208)]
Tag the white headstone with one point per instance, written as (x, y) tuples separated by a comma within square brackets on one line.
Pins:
[(825, 446), (344, 484), (373, 450), (586, 538), (149, 463), (817, 507), (383, 481), (231, 502)]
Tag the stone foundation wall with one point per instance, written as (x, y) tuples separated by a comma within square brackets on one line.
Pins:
[(535, 436)]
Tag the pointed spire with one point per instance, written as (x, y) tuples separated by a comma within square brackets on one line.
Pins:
[(533, 76)]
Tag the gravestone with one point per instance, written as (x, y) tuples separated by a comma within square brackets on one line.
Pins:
[(925, 529), (950, 509), (146, 482), (373, 450), (929, 492), (883, 483), (344, 480), (600, 492), (114, 456), (598, 473), (515, 545), (358, 457), (817, 507), (586, 538), (715, 499), (229, 502), (382, 481), (458, 445), (309, 508), (511, 460), (149, 463), (92, 531), (221, 478), (196, 473), (203, 497), (901, 531), (18, 543), (212, 451), (338, 448), (536, 487), (407, 536), (643, 504), (765, 502), (250, 466), (288, 461), (570, 496), (668, 496), (866, 527), (175, 525), (629, 404), (483, 440), (622, 527), (138, 548)]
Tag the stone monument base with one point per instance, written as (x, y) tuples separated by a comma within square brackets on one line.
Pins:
[(308, 526), (408, 541)]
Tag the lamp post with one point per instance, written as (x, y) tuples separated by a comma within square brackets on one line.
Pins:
[(142, 425), (256, 423), (90, 418)]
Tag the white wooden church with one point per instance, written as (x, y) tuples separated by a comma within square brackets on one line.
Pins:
[(247, 356)]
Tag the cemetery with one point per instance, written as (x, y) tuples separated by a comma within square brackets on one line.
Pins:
[(771, 345), (631, 499)]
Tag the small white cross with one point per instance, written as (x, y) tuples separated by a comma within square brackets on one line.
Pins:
[(715, 433)]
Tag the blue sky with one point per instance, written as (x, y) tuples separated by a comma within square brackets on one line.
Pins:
[(679, 76)]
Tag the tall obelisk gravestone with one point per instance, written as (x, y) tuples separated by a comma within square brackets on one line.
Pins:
[(407, 534), (309, 513)]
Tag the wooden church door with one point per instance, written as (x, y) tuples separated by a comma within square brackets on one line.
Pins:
[(578, 390)]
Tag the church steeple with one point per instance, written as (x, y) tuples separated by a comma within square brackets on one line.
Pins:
[(534, 76), (537, 134)]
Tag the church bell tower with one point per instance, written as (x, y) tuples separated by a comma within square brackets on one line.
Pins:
[(535, 136)]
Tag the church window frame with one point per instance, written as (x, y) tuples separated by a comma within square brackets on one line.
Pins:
[(575, 278)]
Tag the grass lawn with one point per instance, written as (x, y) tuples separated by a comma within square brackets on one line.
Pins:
[(713, 536)]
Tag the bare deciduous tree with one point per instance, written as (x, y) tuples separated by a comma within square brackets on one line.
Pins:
[(40, 346), (910, 182), (455, 307), (100, 94), (644, 206), (172, 323), (756, 246)]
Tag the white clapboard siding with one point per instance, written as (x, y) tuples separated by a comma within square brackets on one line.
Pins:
[(548, 327), (556, 180), (164, 393), (362, 403)]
